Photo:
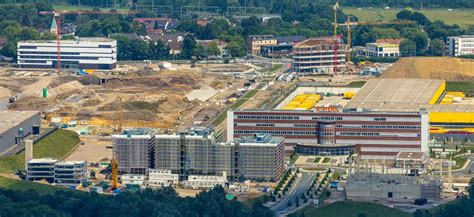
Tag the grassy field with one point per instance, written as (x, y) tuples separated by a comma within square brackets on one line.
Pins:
[(462, 17), (356, 84), (66, 7), (56, 145), (352, 209), (466, 87), (18, 185)]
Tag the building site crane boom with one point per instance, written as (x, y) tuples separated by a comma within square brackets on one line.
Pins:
[(57, 18)]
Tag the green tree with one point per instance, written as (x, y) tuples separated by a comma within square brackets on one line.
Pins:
[(188, 48), (213, 49), (437, 47), (407, 47)]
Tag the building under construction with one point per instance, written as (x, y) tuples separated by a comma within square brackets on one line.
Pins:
[(134, 151), (260, 157), (325, 55)]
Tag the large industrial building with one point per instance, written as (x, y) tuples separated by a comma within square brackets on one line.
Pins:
[(460, 45), (451, 114), (317, 55), (16, 125), (375, 135), (259, 157), (392, 187), (83, 53)]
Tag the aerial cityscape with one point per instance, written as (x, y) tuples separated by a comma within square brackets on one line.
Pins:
[(222, 108)]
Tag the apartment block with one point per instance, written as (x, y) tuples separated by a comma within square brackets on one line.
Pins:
[(460, 45), (374, 135), (83, 53), (319, 56), (134, 153), (254, 43)]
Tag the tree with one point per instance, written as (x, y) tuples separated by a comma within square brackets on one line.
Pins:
[(188, 48), (407, 47), (437, 48), (213, 49)]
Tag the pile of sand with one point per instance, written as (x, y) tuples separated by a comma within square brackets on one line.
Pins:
[(69, 87), (447, 68)]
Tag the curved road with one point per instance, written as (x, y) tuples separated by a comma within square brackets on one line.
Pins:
[(299, 187)]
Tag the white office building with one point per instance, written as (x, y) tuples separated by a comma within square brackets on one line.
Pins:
[(83, 53), (461, 45), (157, 178), (384, 48), (132, 179)]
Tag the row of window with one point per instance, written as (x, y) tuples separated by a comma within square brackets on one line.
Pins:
[(378, 126), (275, 132), (329, 63), (265, 125), (359, 134), (62, 57), (305, 125), (268, 117)]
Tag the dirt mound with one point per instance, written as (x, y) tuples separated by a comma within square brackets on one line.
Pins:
[(450, 69), (155, 81), (66, 88), (32, 103)]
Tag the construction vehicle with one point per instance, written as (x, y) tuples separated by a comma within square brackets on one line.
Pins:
[(115, 184), (57, 18)]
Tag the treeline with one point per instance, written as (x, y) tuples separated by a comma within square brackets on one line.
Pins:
[(144, 203), (424, 38)]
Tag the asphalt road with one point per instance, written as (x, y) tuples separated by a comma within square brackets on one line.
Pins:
[(470, 167), (299, 187)]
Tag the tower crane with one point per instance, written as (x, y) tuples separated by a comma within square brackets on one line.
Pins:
[(57, 17), (349, 24)]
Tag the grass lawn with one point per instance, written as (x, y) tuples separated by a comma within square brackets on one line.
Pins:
[(317, 159), (356, 84), (18, 185), (460, 161), (56, 145), (68, 7), (326, 160), (352, 209), (462, 17), (465, 86)]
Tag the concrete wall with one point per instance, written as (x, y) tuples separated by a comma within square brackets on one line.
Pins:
[(7, 139)]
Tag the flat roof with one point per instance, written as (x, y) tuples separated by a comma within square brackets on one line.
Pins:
[(317, 41), (403, 94), (43, 160), (91, 39), (411, 155), (9, 119)]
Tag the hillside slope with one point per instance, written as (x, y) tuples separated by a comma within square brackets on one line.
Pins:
[(447, 68)]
